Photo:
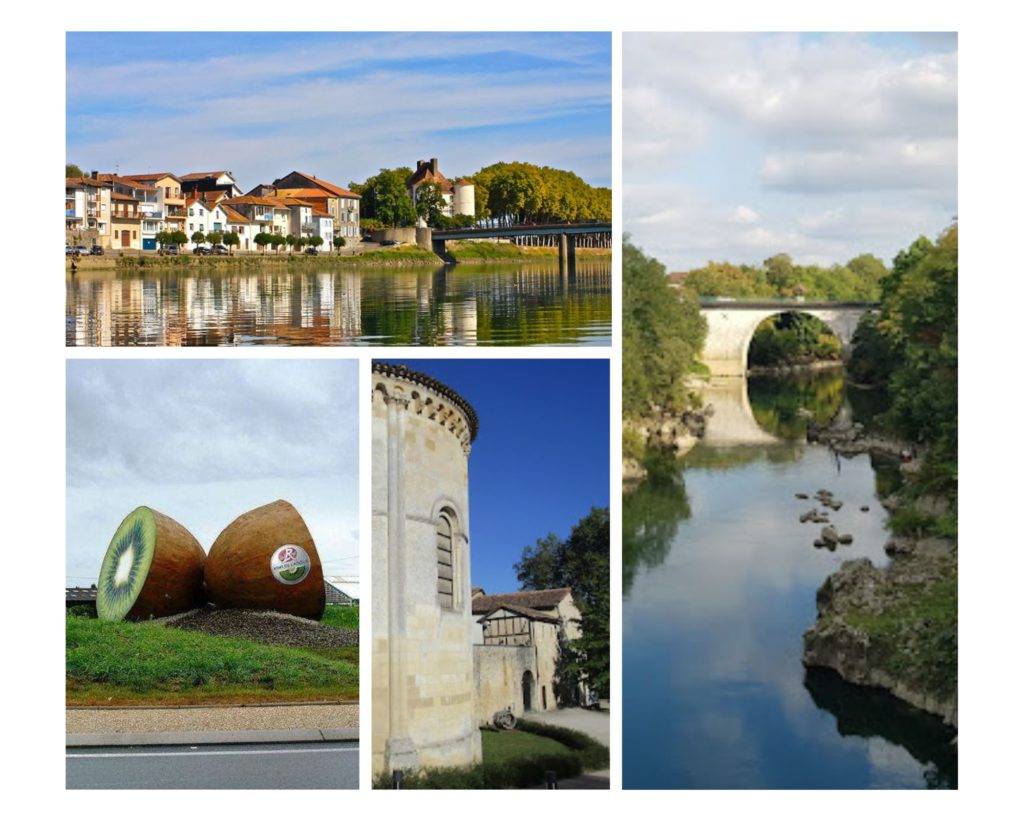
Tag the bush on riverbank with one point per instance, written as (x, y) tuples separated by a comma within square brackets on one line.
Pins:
[(791, 339)]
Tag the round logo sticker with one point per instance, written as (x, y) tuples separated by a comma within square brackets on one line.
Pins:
[(290, 564)]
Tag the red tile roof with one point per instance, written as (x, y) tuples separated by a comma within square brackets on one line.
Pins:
[(323, 184)]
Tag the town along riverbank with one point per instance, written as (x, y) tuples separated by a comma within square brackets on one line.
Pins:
[(720, 581)]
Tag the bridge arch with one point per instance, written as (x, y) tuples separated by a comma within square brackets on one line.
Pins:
[(731, 326)]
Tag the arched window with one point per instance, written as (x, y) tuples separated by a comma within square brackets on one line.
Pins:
[(447, 561)]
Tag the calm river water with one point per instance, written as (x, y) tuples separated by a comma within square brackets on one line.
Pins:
[(471, 305), (719, 585)]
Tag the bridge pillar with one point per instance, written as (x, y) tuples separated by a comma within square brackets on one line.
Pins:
[(566, 253), (438, 246)]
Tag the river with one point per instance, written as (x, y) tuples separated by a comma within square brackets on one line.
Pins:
[(496, 304), (719, 586)]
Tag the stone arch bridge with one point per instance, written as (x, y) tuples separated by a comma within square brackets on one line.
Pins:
[(731, 326)]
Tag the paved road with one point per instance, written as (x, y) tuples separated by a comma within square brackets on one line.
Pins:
[(595, 724), (275, 766)]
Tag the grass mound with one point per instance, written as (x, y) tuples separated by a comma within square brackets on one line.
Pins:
[(114, 663), (516, 759)]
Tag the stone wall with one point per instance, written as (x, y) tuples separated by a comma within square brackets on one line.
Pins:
[(423, 686), (499, 679)]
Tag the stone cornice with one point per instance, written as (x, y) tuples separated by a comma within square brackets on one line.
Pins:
[(403, 373)]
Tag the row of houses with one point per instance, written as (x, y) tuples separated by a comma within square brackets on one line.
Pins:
[(129, 211)]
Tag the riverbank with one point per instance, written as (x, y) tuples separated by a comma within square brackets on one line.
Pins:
[(400, 256), (664, 431), (894, 628), (478, 252), (796, 368)]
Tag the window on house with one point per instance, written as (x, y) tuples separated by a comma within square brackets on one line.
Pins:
[(446, 559)]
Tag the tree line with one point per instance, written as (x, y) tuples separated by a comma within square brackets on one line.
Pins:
[(513, 191)]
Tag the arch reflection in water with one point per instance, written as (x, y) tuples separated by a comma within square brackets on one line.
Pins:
[(719, 581), (478, 305)]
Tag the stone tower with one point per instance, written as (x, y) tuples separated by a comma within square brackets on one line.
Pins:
[(423, 713)]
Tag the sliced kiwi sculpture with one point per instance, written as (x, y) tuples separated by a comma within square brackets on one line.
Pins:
[(153, 567), (266, 560)]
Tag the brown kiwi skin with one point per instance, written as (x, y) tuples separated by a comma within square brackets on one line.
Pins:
[(174, 583), (238, 575)]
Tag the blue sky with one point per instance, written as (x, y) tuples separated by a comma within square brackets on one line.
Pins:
[(341, 105), (739, 146), (540, 461), (206, 440)]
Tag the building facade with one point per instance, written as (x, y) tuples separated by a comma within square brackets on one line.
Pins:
[(459, 197), (340, 204), (87, 212), (423, 676)]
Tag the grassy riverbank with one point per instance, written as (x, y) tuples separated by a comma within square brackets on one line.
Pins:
[(400, 256), (482, 252), (516, 759), (150, 664)]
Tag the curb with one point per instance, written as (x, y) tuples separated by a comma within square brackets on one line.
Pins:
[(202, 706), (121, 740)]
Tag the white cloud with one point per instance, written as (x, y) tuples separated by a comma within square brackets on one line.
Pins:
[(793, 127), (204, 441)]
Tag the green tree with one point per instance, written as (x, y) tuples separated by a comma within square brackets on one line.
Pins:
[(339, 242), (262, 240), (215, 237), (386, 199), (662, 335), (581, 562), (73, 171), (198, 237), (429, 203), (178, 237), (163, 238), (231, 240), (315, 241)]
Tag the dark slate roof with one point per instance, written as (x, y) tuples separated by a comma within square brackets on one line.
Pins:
[(403, 372), (538, 599)]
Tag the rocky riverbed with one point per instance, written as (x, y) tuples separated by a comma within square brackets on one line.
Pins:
[(895, 627)]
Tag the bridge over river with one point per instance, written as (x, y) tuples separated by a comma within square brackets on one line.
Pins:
[(731, 326), (566, 232)]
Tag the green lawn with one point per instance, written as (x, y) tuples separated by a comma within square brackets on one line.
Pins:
[(121, 663), (517, 759), (341, 617)]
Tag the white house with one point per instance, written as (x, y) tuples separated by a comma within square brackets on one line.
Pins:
[(206, 215)]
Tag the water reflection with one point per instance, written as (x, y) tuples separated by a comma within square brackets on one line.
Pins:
[(492, 305), (720, 581)]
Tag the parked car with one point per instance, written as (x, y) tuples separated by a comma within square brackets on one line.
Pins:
[(388, 242), (69, 250), (171, 250), (201, 251), (312, 251), (96, 250), (219, 250)]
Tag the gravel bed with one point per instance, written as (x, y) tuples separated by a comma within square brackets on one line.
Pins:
[(270, 628)]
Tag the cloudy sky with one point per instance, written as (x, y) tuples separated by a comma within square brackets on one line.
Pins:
[(340, 106), (206, 440), (738, 146)]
